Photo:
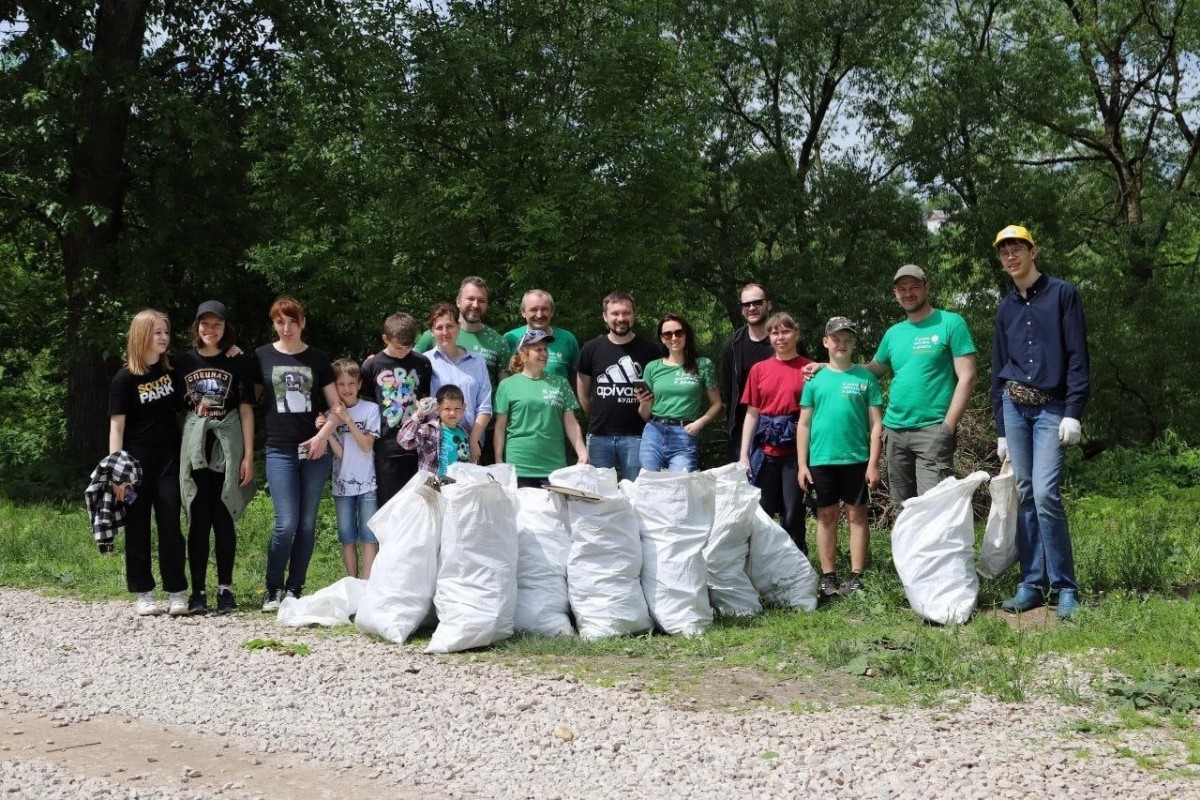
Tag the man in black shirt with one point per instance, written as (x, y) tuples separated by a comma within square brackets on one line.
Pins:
[(604, 378), (747, 346)]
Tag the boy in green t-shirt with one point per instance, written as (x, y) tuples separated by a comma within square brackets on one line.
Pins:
[(838, 443)]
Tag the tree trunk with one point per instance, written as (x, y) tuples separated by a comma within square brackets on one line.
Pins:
[(96, 189)]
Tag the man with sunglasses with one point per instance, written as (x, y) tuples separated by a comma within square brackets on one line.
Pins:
[(1040, 385), (747, 346)]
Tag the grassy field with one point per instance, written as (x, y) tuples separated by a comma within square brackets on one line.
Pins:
[(1137, 564)]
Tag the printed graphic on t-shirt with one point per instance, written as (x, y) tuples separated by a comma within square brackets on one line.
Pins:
[(293, 388), (850, 389), (155, 390), (397, 395), (207, 391), (617, 381), (924, 344), (553, 397)]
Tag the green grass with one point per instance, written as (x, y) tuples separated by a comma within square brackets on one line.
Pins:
[(869, 648)]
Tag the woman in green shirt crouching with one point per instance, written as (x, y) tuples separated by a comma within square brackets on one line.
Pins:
[(673, 399), (533, 412)]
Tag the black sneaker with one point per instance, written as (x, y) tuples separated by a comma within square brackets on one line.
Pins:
[(829, 586), (296, 592), (226, 601), (198, 603), (853, 585), (271, 600)]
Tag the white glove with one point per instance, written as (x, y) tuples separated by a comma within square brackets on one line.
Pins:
[(1069, 431), (426, 406), (1002, 448)]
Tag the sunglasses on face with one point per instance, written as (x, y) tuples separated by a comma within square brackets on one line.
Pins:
[(674, 334), (748, 304)]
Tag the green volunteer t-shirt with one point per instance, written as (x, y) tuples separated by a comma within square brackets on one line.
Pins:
[(487, 342), (563, 351), (534, 436), (679, 394), (921, 356), (841, 424)]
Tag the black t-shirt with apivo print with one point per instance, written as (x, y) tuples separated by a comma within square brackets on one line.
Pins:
[(214, 386), (293, 391), (149, 403)]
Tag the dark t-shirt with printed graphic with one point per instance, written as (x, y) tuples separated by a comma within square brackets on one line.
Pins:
[(396, 384), (613, 368), (214, 386), (293, 391), (149, 403)]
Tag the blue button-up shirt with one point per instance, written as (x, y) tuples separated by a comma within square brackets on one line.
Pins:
[(469, 373), (1040, 340)]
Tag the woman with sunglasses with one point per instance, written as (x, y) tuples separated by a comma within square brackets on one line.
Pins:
[(673, 399)]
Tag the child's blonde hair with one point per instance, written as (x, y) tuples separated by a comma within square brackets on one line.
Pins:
[(140, 338)]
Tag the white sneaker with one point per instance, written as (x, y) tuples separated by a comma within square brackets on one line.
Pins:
[(177, 604), (147, 606)]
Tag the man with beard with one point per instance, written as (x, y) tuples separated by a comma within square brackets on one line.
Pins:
[(473, 335), (605, 374), (537, 307), (931, 357), (747, 346)]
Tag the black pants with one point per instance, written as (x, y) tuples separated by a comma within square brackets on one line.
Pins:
[(159, 491), (781, 495), (209, 513), (391, 473)]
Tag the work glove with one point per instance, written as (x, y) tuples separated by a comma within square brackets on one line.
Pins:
[(1002, 448), (1069, 431)]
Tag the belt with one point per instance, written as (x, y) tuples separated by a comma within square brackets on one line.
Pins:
[(669, 421), (1025, 395)]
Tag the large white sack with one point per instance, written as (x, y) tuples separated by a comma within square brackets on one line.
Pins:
[(504, 474), (999, 549), (544, 540), (604, 564), (586, 478), (781, 573), (476, 594), (399, 594), (333, 605), (933, 547), (675, 511), (734, 507)]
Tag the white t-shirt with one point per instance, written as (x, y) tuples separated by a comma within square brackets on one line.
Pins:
[(354, 472)]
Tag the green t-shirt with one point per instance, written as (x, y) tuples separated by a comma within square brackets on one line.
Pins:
[(452, 447), (921, 356), (534, 435), (486, 341), (841, 424), (563, 351), (679, 394)]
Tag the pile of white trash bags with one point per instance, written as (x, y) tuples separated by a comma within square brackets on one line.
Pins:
[(484, 559)]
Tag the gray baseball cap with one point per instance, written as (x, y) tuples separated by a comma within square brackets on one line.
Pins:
[(910, 271), (840, 324)]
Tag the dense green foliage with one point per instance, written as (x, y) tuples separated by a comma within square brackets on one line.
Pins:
[(366, 154)]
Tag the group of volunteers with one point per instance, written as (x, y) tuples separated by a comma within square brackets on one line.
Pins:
[(808, 434)]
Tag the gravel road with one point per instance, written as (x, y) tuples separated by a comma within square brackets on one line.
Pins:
[(95, 702)]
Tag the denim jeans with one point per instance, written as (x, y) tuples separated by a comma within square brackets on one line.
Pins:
[(353, 512), (296, 489), (668, 446), (621, 452), (1043, 541)]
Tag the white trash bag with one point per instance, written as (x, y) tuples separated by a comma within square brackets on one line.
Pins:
[(735, 505), (933, 547), (675, 511), (476, 595), (331, 606), (604, 564), (782, 574), (399, 594), (999, 549), (464, 472), (544, 540)]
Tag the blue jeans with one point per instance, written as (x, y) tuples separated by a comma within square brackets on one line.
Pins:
[(353, 511), (668, 446), (621, 452), (1043, 541), (296, 488)]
